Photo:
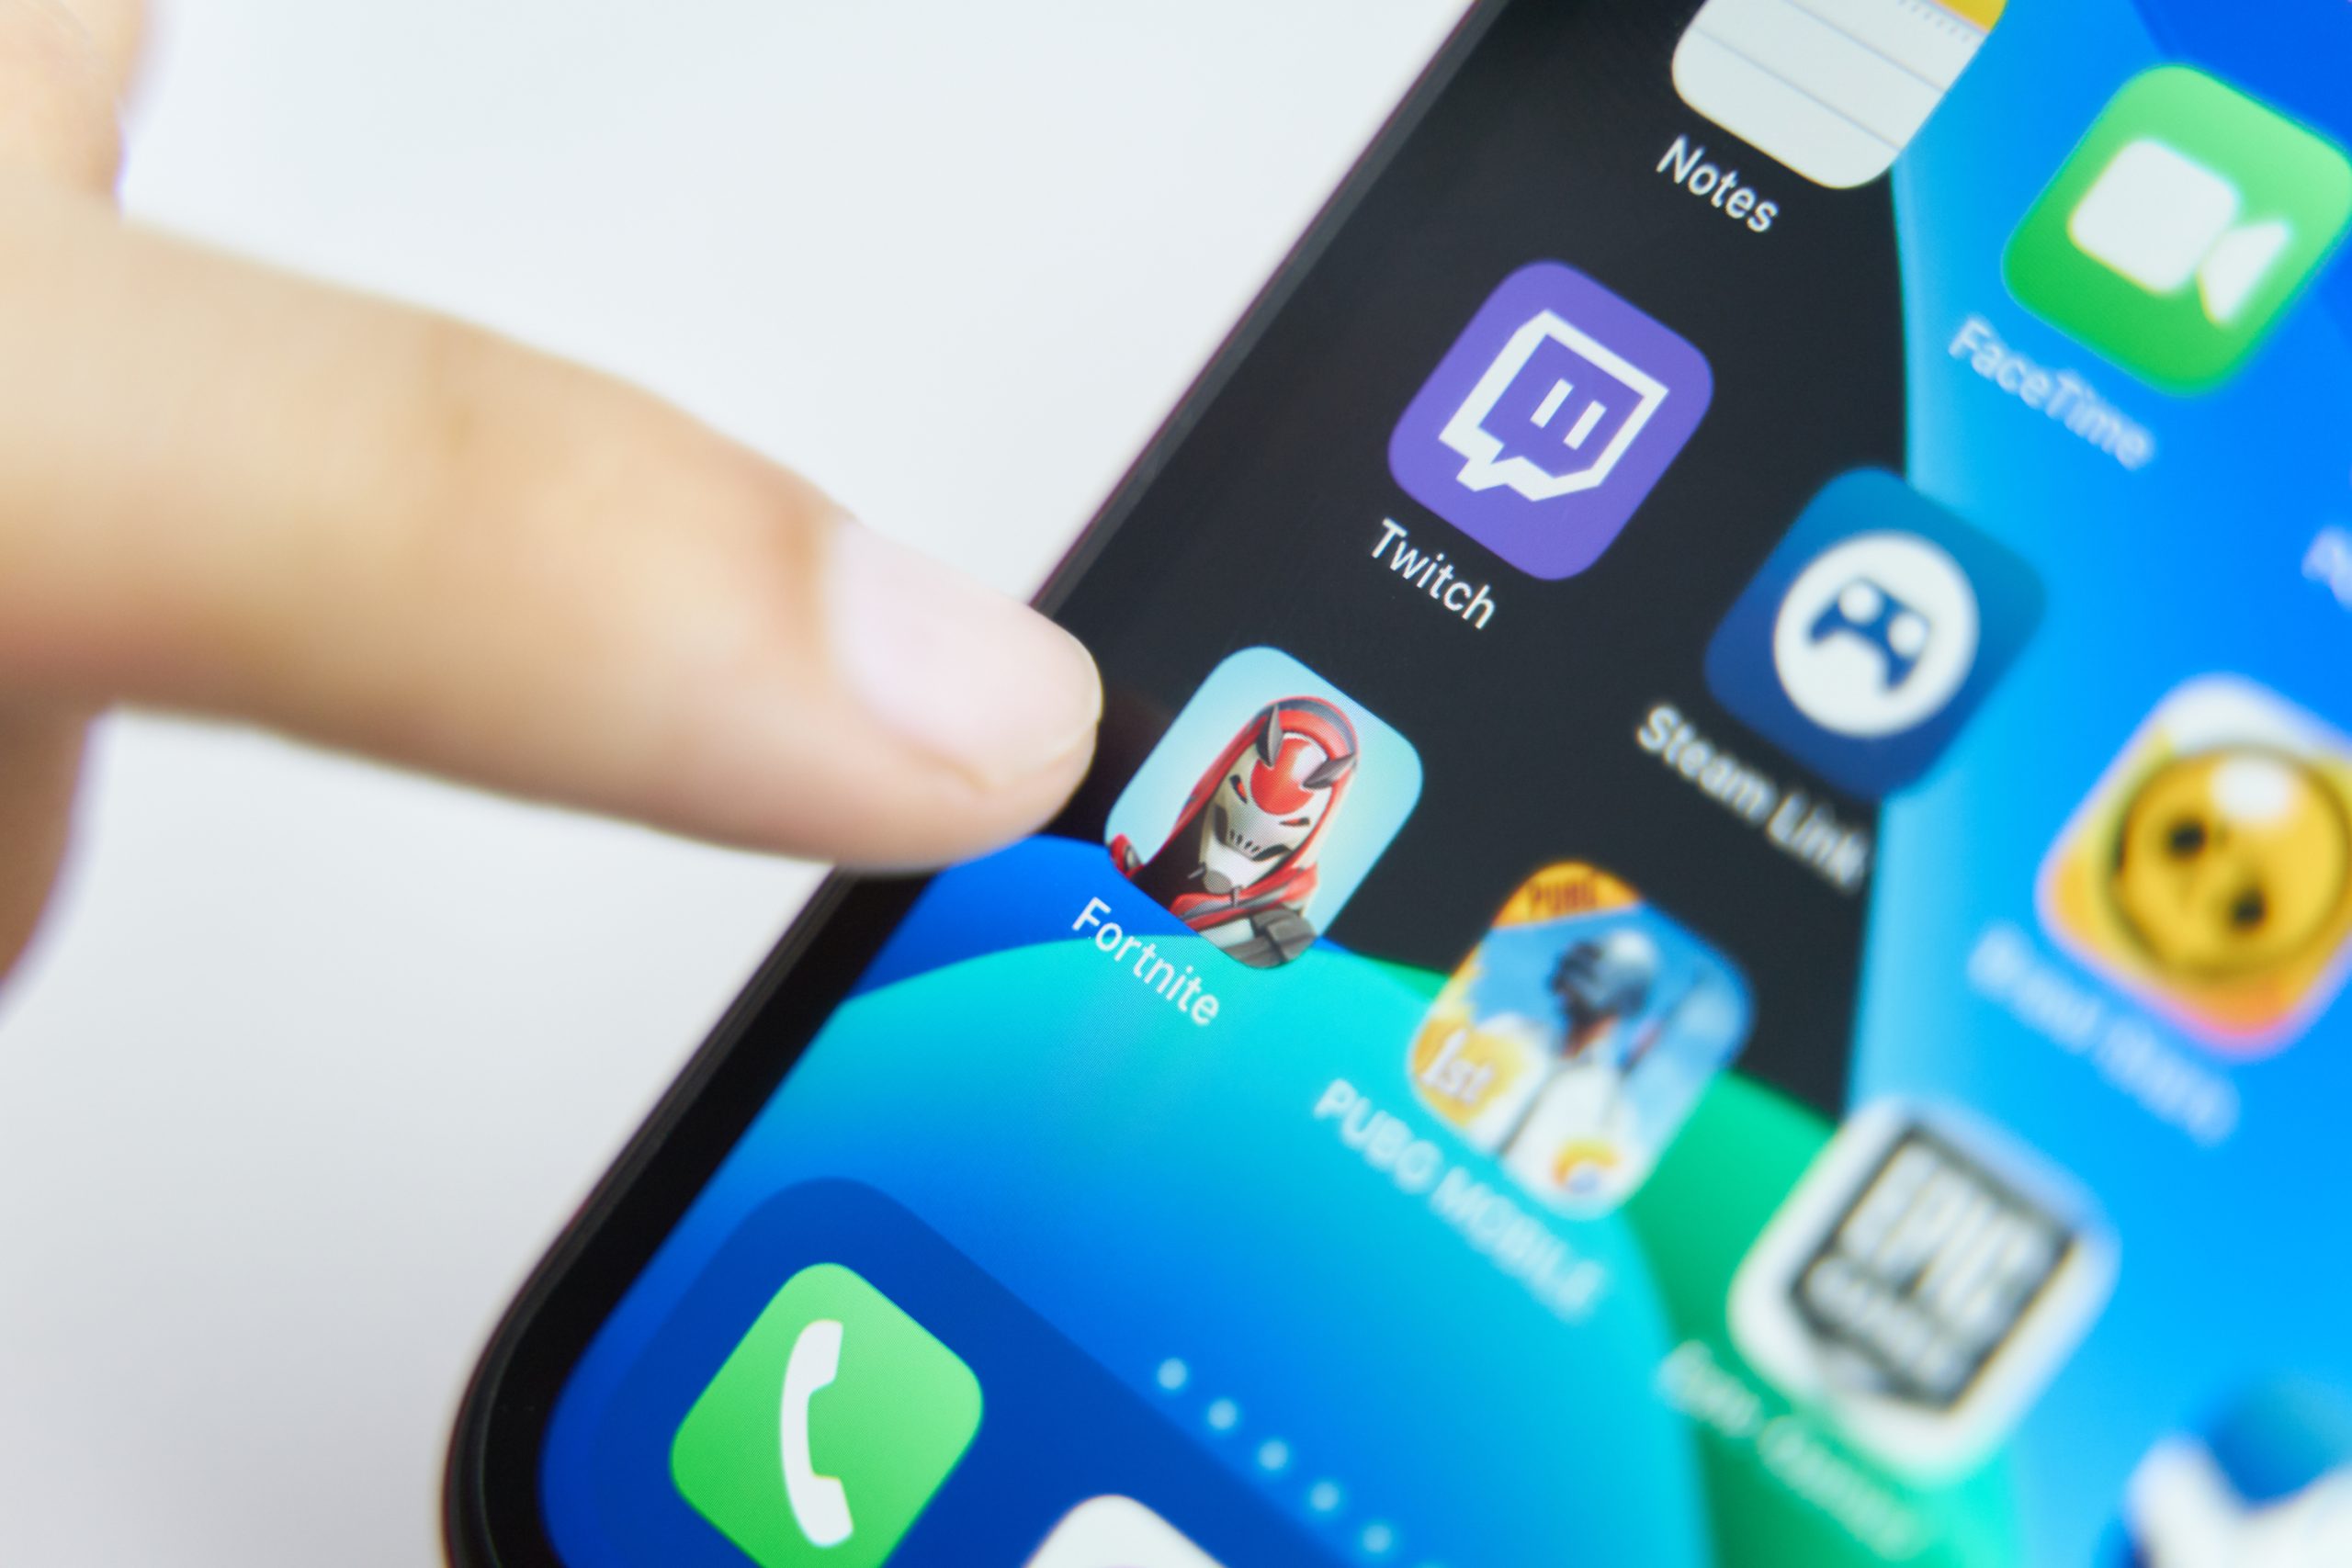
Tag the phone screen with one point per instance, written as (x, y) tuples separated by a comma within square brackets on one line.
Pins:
[(1710, 927)]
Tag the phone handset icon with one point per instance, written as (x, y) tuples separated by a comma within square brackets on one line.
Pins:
[(819, 1505)]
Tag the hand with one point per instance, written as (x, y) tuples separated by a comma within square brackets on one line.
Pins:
[(232, 492)]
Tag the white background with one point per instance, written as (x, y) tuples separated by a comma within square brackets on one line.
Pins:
[(315, 1057)]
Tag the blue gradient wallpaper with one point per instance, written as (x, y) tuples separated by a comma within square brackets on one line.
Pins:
[(1352, 1322)]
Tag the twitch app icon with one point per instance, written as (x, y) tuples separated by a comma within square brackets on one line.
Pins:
[(1550, 419)]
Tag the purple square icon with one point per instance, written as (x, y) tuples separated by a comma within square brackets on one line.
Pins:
[(1549, 420)]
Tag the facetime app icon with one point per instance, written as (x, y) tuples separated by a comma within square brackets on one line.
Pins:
[(1833, 88), (2182, 228), (1549, 420)]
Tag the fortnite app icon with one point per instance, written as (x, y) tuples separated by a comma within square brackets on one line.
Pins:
[(1550, 419), (1263, 807)]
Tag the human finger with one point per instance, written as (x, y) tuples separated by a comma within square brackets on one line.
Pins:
[(63, 64), (227, 490)]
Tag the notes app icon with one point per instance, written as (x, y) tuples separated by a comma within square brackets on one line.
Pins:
[(1832, 88)]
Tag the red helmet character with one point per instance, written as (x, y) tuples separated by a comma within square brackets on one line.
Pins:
[(1239, 867)]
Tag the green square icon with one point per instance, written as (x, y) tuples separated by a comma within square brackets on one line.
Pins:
[(829, 1428), (2181, 229)]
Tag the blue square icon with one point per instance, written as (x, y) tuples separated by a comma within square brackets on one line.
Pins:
[(1873, 630)]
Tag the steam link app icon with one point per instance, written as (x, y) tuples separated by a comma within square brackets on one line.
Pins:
[(2211, 870), (1548, 421), (829, 1429), (1872, 633), (2181, 229), (1262, 808)]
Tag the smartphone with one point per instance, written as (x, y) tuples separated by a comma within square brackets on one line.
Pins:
[(1711, 924)]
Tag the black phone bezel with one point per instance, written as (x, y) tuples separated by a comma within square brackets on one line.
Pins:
[(491, 1516)]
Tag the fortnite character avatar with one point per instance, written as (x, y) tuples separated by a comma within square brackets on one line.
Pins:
[(1239, 867)]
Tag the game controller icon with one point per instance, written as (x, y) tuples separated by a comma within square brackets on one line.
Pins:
[(1866, 610), (1876, 635), (1870, 633)]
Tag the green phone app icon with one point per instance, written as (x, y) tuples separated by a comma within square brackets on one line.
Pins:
[(2181, 228), (829, 1429)]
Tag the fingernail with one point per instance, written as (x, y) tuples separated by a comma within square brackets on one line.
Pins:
[(954, 667)]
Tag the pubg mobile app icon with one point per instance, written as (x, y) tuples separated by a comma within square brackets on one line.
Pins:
[(1573, 1041), (1263, 807), (2211, 871), (1920, 1287)]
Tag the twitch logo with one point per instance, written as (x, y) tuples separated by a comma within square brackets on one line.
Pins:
[(1549, 420)]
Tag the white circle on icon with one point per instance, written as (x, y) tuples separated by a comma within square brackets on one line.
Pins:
[(1876, 636)]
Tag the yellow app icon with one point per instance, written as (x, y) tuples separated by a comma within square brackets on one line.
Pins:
[(2211, 870), (1832, 88)]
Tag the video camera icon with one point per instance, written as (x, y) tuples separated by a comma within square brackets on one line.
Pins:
[(2180, 231), (1871, 632)]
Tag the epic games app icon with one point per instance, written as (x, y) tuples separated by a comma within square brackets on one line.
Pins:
[(2182, 228), (1834, 91), (2211, 870), (2266, 1483), (1921, 1286), (1872, 631), (1549, 420), (1118, 1532), (1263, 807), (828, 1429), (1575, 1039)]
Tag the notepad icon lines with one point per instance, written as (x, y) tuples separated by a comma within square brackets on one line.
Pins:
[(1833, 88)]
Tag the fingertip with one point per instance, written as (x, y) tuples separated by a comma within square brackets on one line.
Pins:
[(845, 698), (975, 678), (979, 819)]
